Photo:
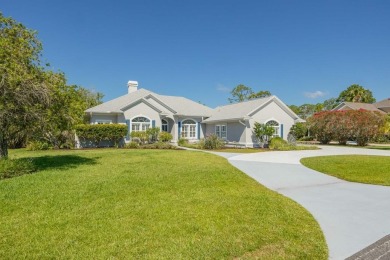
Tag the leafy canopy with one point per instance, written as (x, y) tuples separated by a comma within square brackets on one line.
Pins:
[(242, 93), (356, 93)]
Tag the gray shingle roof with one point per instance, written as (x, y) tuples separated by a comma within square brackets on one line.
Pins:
[(180, 105), (245, 109), (357, 106), (383, 103)]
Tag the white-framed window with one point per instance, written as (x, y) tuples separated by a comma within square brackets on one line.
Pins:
[(188, 129), (140, 124), (275, 126), (103, 122), (164, 125), (220, 131)]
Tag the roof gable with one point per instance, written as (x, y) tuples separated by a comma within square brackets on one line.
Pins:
[(247, 109), (173, 104)]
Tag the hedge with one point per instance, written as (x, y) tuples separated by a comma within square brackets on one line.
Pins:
[(358, 125), (102, 132)]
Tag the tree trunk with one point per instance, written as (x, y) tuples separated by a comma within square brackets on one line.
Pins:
[(3, 146)]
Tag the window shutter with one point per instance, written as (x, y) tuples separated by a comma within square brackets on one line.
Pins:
[(153, 123), (128, 129), (198, 124), (281, 130), (179, 129)]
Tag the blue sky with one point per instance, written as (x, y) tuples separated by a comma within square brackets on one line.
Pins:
[(301, 51)]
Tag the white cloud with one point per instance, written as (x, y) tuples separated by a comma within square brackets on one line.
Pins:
[(222, 88), (314, 94)]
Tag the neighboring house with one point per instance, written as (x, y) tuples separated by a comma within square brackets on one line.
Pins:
[(141, 109), (382, 107)]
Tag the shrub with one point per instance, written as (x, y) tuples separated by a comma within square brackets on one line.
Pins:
[(132, 145), (359, 125), (263, 132), (158, 145), (37, 145), (278, 143), (307, 138), (143, 137), (97, 133), (165, 137), (211, 142), (182, 142), (153, 134), (299, 130), (16, 167)]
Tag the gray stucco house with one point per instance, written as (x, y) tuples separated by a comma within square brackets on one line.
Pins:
[(184, 118)]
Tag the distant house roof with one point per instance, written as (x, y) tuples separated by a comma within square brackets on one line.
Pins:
[(357, 106), (383, 105), (176, 105), (246, 109)]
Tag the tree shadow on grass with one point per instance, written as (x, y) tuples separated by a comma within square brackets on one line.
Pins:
[(61, 162)]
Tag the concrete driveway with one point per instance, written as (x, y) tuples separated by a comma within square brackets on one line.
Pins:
[(351, 215)]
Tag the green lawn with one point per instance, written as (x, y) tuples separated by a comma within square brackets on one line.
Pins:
[(148, 204), (356, 168)]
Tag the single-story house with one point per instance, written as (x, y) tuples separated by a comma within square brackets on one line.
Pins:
[(184, 118), (382, 107)]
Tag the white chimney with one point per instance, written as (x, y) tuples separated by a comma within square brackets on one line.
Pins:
[(132, 86)]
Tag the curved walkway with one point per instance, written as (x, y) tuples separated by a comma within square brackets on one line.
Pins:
[(351, 215)]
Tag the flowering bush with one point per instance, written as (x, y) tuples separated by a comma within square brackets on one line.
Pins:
[(359, 125)]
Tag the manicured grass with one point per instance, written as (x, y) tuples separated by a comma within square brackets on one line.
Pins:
[(148, 204), (356, 168)]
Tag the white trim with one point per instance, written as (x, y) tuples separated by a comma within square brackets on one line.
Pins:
[(220, 131), (163, 124), (140, 123), (138, 101), (188, 132), (278, 127)]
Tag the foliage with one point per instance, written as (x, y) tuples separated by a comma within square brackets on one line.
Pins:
[(146, 200), (278, 143), (165, 137), (263, 132), (24, 92), (159, 145), (100, 132), (182, 141), (260, 94), (329, 104), (153, 133), (358, 125), (10, 168), (211, 142), (132, 145), (242, 93), (141, 135), (35, 103), (356, 168), (37, 146), (356, 93), (299, 130)]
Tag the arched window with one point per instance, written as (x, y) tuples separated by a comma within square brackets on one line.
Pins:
[(164, 125), (140, 124), (188, 129), (275, 126)]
